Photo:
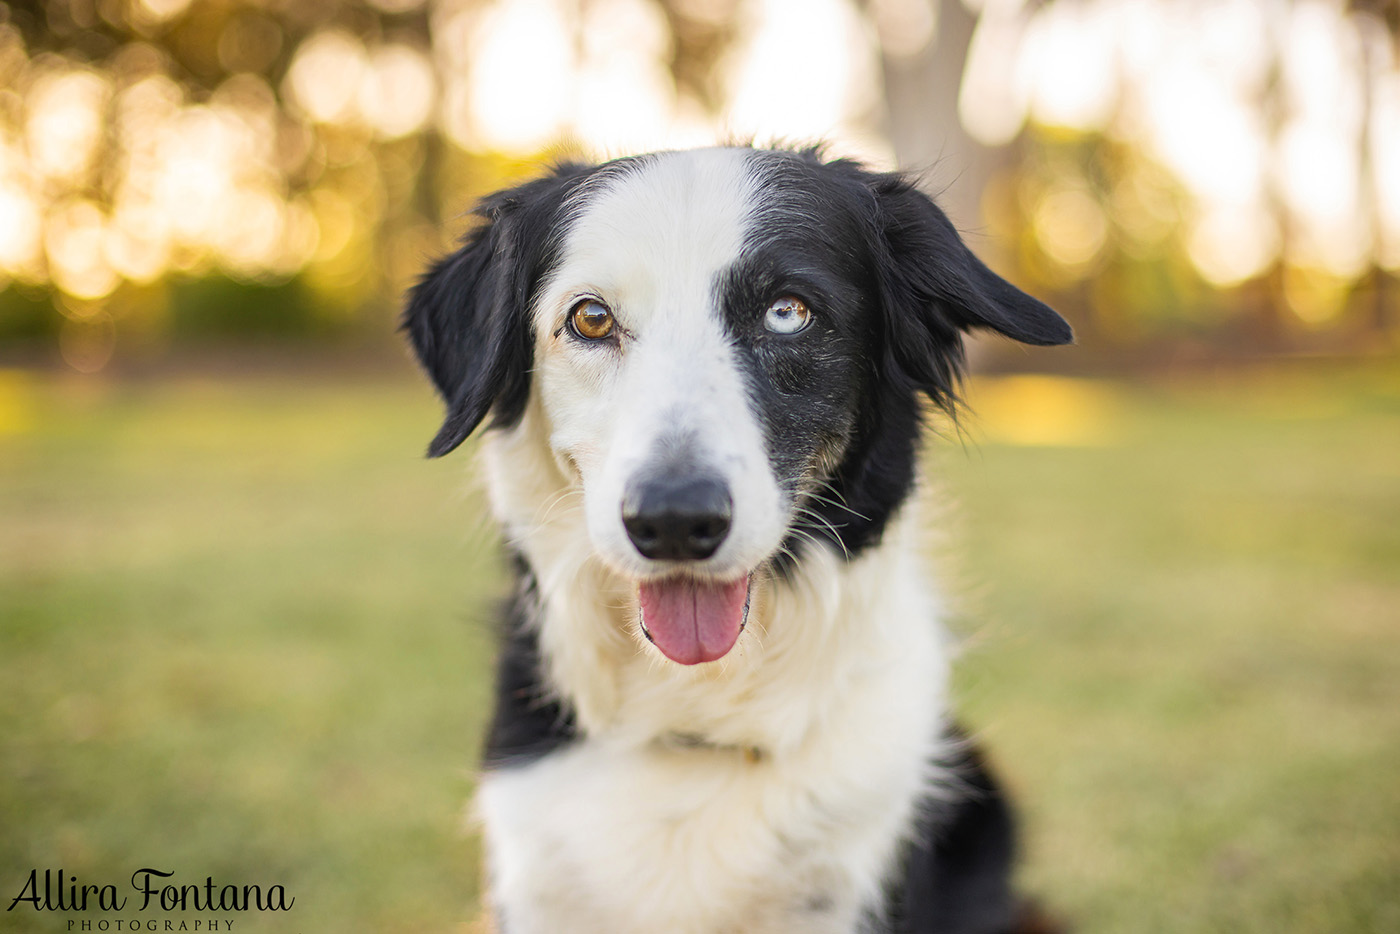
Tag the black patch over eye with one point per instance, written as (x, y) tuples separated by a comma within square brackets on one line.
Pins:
[(591, 320), (805, 370)]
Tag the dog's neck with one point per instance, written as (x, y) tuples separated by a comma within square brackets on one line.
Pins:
[(815, 638)]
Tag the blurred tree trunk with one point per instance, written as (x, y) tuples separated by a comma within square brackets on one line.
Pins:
[(1375, 286), (921, 94), (1266, 332), (921, 98)]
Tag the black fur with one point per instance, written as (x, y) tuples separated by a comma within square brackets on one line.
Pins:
[(529, 721), (893, 289), (468, 317), (955, 877)]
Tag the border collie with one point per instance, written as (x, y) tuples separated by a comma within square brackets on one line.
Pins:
[(721, 701)]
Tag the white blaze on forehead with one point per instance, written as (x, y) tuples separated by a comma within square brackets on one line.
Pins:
[(652, 239), (652, 236)]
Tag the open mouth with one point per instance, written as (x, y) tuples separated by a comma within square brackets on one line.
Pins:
[(694, 621)]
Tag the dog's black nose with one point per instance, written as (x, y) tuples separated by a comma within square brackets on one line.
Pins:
[(672, 518)]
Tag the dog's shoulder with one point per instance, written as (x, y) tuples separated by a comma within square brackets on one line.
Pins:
[(956, 871), (530, 720)]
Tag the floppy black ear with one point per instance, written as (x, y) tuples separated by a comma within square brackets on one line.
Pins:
[(468, 317), (934, 289)]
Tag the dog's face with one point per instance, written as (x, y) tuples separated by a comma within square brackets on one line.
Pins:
[(728, 347)]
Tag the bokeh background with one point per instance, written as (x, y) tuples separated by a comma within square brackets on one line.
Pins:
[(243, 627)]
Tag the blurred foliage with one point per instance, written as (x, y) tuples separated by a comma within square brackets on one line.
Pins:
[(1200, 179), (162, 177), (1096, 226), (307, 156)]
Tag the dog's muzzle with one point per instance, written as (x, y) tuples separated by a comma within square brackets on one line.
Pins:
[(684, 515)]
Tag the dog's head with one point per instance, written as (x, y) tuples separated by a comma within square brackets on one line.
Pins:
[(729, 347)]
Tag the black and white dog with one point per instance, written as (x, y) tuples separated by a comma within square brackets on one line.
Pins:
[(721, 701)]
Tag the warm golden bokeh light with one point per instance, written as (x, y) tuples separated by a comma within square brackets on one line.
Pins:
[(1165, 146), (398, 91), (808, 71), (324, 78), (64, 123), (73, 240), (521, 66), (1070, 225), (1194, 84), (1230, 244), (21, 225), (1049, 411)]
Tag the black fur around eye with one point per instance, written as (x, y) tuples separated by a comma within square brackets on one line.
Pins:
[(590, 320)]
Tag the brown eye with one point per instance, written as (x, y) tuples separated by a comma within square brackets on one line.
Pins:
[(591, 320), (787, 315)]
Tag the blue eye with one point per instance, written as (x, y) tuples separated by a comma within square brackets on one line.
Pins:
[(787, 315)]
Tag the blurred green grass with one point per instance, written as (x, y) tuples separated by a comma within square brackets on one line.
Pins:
[(245, 635)]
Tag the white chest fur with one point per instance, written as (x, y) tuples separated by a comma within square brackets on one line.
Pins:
[(599, 839)]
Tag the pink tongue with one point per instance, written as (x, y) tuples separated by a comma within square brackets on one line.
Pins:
[(693, 622)]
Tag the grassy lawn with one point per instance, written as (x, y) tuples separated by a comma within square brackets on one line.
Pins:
[(242, 634)]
